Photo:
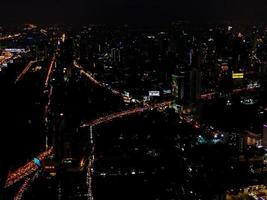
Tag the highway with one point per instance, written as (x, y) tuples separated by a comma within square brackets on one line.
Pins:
[(27, 169), (92, 79), (50, 88), (8, 37), (89, 173), (125, 113), (213, 95), (31, 167), (22, 189), (26, 185), (107, 119), (26, 69), (32, 85), (52, 63), (50, 92)]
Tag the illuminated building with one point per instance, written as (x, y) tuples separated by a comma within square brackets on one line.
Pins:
[(238, 79), (115, 55), (186, 86), (178, 87), (252, 139)]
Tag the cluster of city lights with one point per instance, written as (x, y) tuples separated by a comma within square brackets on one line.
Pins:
[(4, 58)]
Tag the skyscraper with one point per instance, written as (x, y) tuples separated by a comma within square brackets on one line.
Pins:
[(115, 55), (194, 85), (178, 88)]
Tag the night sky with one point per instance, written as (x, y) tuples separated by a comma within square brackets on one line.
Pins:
[(129, 11)]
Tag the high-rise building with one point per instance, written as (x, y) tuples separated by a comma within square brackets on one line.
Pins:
[(67, 52), (115, 55), (187, 86), (264, 137), (178, 87), (195, 85), (226, 83), (190, 55)]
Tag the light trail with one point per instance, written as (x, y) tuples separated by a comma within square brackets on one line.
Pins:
[(49, 71), (26, 69), (9, 36), (47, 108), (91, 78), (89, 174), (22, 189), (90, 167), (129, 112), (25, 186)]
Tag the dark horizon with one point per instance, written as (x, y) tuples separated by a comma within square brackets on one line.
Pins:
[(125, 11)]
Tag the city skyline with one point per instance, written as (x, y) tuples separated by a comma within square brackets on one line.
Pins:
[(129, 100)]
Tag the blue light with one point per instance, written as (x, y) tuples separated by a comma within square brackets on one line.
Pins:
[(37, 162)]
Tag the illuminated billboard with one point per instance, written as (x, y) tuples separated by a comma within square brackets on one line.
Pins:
[(14, 50), (154, 93), (238, 75)]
